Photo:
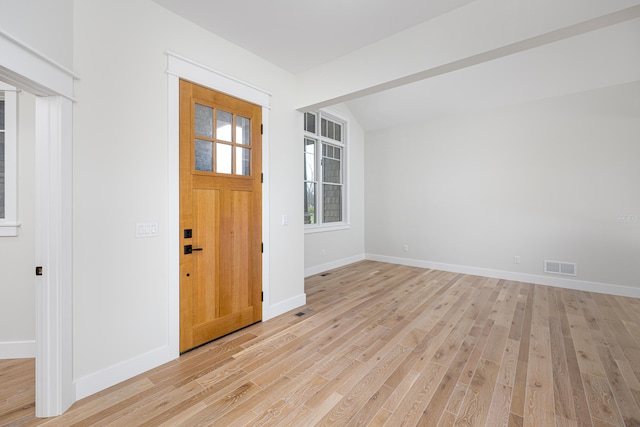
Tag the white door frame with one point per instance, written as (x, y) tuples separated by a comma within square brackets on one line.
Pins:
[(27, 69), (178, 68)]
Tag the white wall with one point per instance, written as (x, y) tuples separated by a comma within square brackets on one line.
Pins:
[(17, 254), (120, 174), (326, 250), (543, 180), (43, 25)]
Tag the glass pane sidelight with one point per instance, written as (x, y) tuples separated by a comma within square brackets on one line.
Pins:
[(331, 130), (331, 168), (309, 203), (324, 169), (309, 159), (310, 122), (2, 189), (332, 203)]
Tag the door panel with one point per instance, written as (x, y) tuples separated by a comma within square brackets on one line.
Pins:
[(220, 201), (206, 205)]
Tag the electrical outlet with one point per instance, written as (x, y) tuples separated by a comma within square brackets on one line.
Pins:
[(516, 259), (405, 248)]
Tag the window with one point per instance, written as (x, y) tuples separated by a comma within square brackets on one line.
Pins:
[(8, 161), (324, 170)]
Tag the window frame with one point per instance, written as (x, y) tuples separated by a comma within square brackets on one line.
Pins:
[(320, 225), (9, 225)]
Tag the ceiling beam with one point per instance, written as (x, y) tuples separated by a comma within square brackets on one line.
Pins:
[(311, 98)]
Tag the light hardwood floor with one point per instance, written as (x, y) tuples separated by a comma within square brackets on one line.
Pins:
[(382, 344)]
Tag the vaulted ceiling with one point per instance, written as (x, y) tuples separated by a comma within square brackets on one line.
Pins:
[(562, 51)]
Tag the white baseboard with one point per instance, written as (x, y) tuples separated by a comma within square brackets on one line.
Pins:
[(580, 285), (108, 377), (331, 265), (17, 350), (98, 381), (284, 306)]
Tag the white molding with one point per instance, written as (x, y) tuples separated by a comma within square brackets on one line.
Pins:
[(27, 69), (187, 69), (173, 188), (54, 251), (266, 257), (18, 350), (317, 269), (580, 285), (9, 229), (321, 228), (178, 68), (105, 378), (33, 71), (284, 306)]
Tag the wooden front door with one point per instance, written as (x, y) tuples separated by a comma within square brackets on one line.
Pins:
[(220, 215)]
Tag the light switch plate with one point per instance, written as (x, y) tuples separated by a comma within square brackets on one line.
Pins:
[(146, 229), (626, 218)]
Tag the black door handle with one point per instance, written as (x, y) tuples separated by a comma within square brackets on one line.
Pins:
[(189, 249)]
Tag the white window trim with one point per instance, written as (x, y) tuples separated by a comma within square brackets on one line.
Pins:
[(345, 224), (9, 225)]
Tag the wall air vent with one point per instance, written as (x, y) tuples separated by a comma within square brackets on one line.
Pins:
[(558, 267)]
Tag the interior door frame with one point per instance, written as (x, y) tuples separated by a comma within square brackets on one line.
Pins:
[(26, 69), (178, 68)]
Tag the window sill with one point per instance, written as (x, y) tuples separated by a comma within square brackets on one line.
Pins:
[(325, 228), (9, 229)]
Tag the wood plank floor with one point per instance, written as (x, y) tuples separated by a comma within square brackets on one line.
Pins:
[(382, 344)]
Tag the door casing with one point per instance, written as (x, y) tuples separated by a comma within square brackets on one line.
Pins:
[(181, 68), (26, 69)]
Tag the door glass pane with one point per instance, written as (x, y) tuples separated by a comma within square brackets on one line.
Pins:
[(243, 161), (243, 130), (204, 121), (309, 203), (204, 155), (332, 203), (224, 121), (224, 155)]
